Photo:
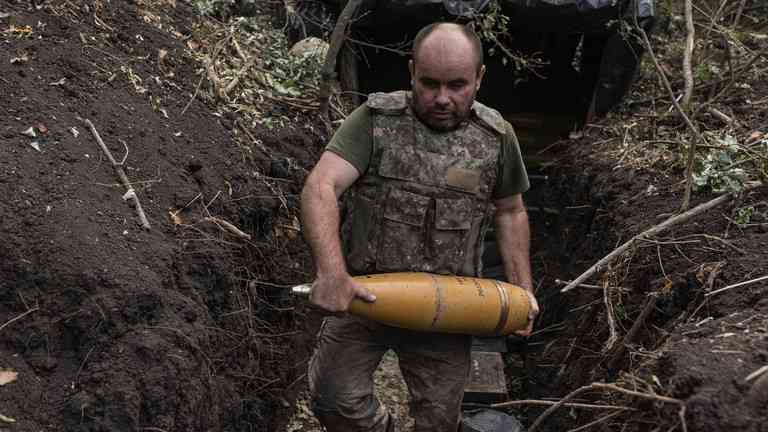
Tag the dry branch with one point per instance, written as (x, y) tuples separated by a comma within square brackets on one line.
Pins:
[(596, 422), (613, 335), (688, 54), (130, 193), (650, 304), (735, 73), (717, 291), (611, 387), (694, 129), (674, 220), (550, 403), (329, 68), (12, 320), (227, 226), (720, 115)]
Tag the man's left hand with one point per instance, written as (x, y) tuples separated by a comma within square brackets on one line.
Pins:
[(532, 313)]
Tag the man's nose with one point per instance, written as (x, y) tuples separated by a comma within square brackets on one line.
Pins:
[(442, 98)]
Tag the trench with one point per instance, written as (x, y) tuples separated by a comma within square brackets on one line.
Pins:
[(544, 107)]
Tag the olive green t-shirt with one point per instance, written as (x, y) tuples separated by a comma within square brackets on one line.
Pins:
[(353, 141)]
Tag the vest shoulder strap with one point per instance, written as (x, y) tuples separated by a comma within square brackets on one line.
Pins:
[(388, 103), (490, 118)]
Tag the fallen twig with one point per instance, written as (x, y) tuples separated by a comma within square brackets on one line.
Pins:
[(688, 54), (588, 286), (717, 291), (210, 68), (681, 111), (227, 226), (674, 220), (613, 335), (735, 73), (756, 373), (246, 67), (12, 320), (612, 387), (194, 95), (130, 193), (596, 422), (650, 304), (550, 403), (720, 115)]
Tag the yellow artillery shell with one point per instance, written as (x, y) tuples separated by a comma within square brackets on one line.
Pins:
[(446, 304)]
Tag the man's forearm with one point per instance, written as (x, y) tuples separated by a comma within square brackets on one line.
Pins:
[(320, 222), (513, 235)]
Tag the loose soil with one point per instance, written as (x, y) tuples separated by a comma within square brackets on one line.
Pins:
[(187, 327), (184, 326)]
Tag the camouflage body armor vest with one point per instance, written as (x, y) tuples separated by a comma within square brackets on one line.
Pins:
[(424, 203)]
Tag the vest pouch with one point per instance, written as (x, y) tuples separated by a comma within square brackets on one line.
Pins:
[(358, 232), (403, 232), (449, 236)]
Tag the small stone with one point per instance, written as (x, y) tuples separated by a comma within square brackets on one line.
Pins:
[(310, 46)]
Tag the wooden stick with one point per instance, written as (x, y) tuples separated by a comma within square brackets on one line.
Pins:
[(686, 119), (719, 115), (12, 320), (756, 373), (735, 286), (588, 286), (650, 304), (130, 193), (550, 403), (337, 40), (227, 227), (612, 387), (674, 220), (596, 422), (688, 54)]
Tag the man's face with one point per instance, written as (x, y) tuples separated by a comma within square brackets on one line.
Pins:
[(445, 79)]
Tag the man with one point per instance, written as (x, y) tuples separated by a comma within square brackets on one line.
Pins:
[(423, 171)]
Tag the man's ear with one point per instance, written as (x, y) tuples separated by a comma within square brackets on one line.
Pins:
[(411, 69), (480, 75)]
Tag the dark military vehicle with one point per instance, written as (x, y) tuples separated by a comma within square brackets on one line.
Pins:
[(586, 57)]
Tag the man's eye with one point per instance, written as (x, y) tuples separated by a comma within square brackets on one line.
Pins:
[(430, 83), (456, 85)]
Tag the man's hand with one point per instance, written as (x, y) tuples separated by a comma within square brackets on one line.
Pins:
[(334, 292), (532, 313)]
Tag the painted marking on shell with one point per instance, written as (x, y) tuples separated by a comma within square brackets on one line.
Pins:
[(439, 306), (504, 303)]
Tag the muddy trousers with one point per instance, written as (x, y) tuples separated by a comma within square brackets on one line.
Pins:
[(435, 368)]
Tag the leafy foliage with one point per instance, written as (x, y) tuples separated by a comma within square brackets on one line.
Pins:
[(212, 7), (719, 171), (491, 26), (256, 55)]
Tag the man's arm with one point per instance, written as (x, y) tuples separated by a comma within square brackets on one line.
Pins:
[(513, 237), (333, 288)]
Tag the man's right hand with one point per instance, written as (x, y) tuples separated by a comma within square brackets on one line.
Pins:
[(334, 292)]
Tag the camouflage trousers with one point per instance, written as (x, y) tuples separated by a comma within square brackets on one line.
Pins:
[(435, 368)]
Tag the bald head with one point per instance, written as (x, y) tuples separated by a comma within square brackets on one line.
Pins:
[(446, 72), (448, 39)]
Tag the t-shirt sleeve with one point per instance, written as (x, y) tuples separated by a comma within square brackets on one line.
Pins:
[(512, 178), (353, 140)]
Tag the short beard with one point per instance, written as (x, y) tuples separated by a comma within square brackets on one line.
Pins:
[(450, 125)]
